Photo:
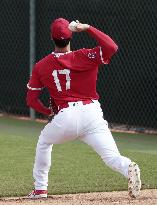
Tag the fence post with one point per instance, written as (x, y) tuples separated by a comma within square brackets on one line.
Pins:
[(32, 43)]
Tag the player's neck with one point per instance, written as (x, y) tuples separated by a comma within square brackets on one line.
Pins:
[(62, 50)]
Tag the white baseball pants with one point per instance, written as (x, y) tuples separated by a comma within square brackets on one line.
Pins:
[(83, 122)]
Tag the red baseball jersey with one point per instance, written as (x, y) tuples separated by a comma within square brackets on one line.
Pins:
[(68, 76)]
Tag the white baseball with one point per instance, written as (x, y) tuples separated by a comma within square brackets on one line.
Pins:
[(72, 26)]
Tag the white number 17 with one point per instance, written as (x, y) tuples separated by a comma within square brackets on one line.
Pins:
[(56, 79)]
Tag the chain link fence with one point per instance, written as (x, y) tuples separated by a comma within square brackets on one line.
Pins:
[(14, 55), (127, 87)]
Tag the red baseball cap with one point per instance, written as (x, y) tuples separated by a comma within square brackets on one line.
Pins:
[(59, 29)]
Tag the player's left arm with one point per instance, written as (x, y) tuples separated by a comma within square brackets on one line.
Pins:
[(34, 90)]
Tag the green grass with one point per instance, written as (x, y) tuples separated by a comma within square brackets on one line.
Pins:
[(76, 167)]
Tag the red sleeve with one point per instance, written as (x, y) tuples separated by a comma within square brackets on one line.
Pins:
[(94, 55), (34, 90), (107, 46), (34, 82), (34, 102)]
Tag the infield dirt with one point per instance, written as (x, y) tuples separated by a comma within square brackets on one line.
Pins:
[(100, 198)]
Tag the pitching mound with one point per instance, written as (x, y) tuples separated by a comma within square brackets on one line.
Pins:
[(101, 198)]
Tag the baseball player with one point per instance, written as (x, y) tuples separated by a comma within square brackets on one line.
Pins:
[(70, 77)]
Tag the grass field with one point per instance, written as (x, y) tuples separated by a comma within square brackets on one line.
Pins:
[(76, 167)]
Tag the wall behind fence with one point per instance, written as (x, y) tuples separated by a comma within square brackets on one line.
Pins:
[(127, 87)]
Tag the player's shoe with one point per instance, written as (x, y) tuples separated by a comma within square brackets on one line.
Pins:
[(134, 181), (38, 194)]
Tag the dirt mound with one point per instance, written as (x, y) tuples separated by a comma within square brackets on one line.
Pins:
[(100, 198)]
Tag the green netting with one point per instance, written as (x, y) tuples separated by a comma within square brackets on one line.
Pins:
[(128, 86)]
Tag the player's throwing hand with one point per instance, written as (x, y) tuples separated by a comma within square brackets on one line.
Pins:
[(76, 26)]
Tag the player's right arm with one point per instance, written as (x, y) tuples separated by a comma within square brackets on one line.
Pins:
[(107, 46)]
